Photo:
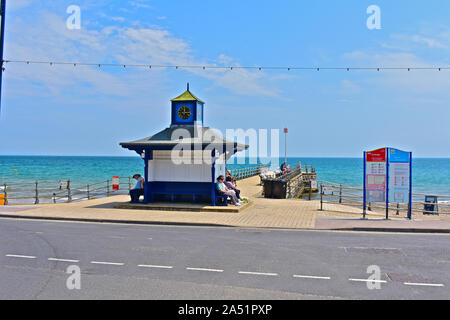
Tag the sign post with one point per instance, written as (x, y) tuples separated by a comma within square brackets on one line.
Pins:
[(388, 178), (364, 186), (115, 183)]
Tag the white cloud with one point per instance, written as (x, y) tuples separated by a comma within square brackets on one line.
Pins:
[(349, 87), (411, 42), (411, 82), (17, 4), (140, 4), (49, 40)]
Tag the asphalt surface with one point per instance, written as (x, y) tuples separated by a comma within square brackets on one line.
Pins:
[(173, 262)]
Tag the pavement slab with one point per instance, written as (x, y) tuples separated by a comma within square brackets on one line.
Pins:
[(260, 213)]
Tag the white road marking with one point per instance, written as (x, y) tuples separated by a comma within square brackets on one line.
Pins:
[(424, 284), (311, 277), (149, 238), (204, 269), (368, 280), (108, 263), (153, 266), (259, 273), (63, 260), (20, 256)]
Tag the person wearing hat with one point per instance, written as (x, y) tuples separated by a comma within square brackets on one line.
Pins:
[(222, 189)]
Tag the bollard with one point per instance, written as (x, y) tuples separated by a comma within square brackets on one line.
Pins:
[(369, 207), (398, 207), (310, 189), (88, 193), (69, 192), (340, 193), (107, 188), (321, 198), (36, 197)]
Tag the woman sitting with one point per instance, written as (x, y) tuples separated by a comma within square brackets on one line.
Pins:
[(222, 189), (231, 186)]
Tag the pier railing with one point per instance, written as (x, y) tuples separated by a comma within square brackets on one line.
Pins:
[(334, 193), (295, 182), (244, 173), (59, 191)]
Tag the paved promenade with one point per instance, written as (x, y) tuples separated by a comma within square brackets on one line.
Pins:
[(267, 213)]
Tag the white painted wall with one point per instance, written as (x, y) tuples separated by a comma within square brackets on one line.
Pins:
[(162, 168), (166, 170)]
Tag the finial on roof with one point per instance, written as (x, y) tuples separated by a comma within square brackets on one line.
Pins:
[(188, 86)]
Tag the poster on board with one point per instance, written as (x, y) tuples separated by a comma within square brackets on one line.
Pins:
[(375, 175), (399, 168)]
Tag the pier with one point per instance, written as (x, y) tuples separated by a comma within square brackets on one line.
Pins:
[(301, 180)]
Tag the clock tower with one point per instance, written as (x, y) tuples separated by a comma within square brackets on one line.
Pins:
[(206, 151), (187, 109)]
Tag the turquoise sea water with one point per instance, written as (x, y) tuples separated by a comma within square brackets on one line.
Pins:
[(429, 175)]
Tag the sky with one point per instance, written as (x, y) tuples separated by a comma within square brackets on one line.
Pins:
[(66, 110)]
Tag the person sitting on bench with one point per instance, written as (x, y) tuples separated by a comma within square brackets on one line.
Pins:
[(223, 190), (231, 186), (138, 189)]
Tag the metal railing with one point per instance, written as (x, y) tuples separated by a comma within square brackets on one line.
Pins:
[(296, 181), (58, 191), (244, 173), (335, 193)]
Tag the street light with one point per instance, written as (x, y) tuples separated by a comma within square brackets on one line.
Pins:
[(285, 145)]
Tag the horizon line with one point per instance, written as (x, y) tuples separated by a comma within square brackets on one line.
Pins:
[(137, 156)]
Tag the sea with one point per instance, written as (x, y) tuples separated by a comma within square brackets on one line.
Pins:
[(430, 176)]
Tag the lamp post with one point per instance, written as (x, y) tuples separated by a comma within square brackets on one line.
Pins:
[(2, 41), (285, 145)]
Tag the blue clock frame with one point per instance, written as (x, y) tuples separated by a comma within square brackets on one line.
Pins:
[(196, 112)]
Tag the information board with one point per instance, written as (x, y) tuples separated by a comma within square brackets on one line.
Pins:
[(387, 177), (375, 175), (399, 176)]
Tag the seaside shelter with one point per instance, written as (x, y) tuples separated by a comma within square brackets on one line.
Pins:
[(183, 161)]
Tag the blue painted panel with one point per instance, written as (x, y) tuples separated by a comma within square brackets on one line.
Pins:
[(176, 105), (180, 187), (396, 155), (199, 112)]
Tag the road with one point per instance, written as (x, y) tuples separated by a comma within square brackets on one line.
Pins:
[(119, 261)]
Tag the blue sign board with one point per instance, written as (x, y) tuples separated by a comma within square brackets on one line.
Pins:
[(396, 155), (388, 177)]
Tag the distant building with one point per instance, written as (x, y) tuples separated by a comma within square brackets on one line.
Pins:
[(183, 161)]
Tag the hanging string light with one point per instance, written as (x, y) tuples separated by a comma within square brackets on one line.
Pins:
[(231, 68)]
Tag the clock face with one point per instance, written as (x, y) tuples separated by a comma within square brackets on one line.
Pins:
[(184, 112)]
